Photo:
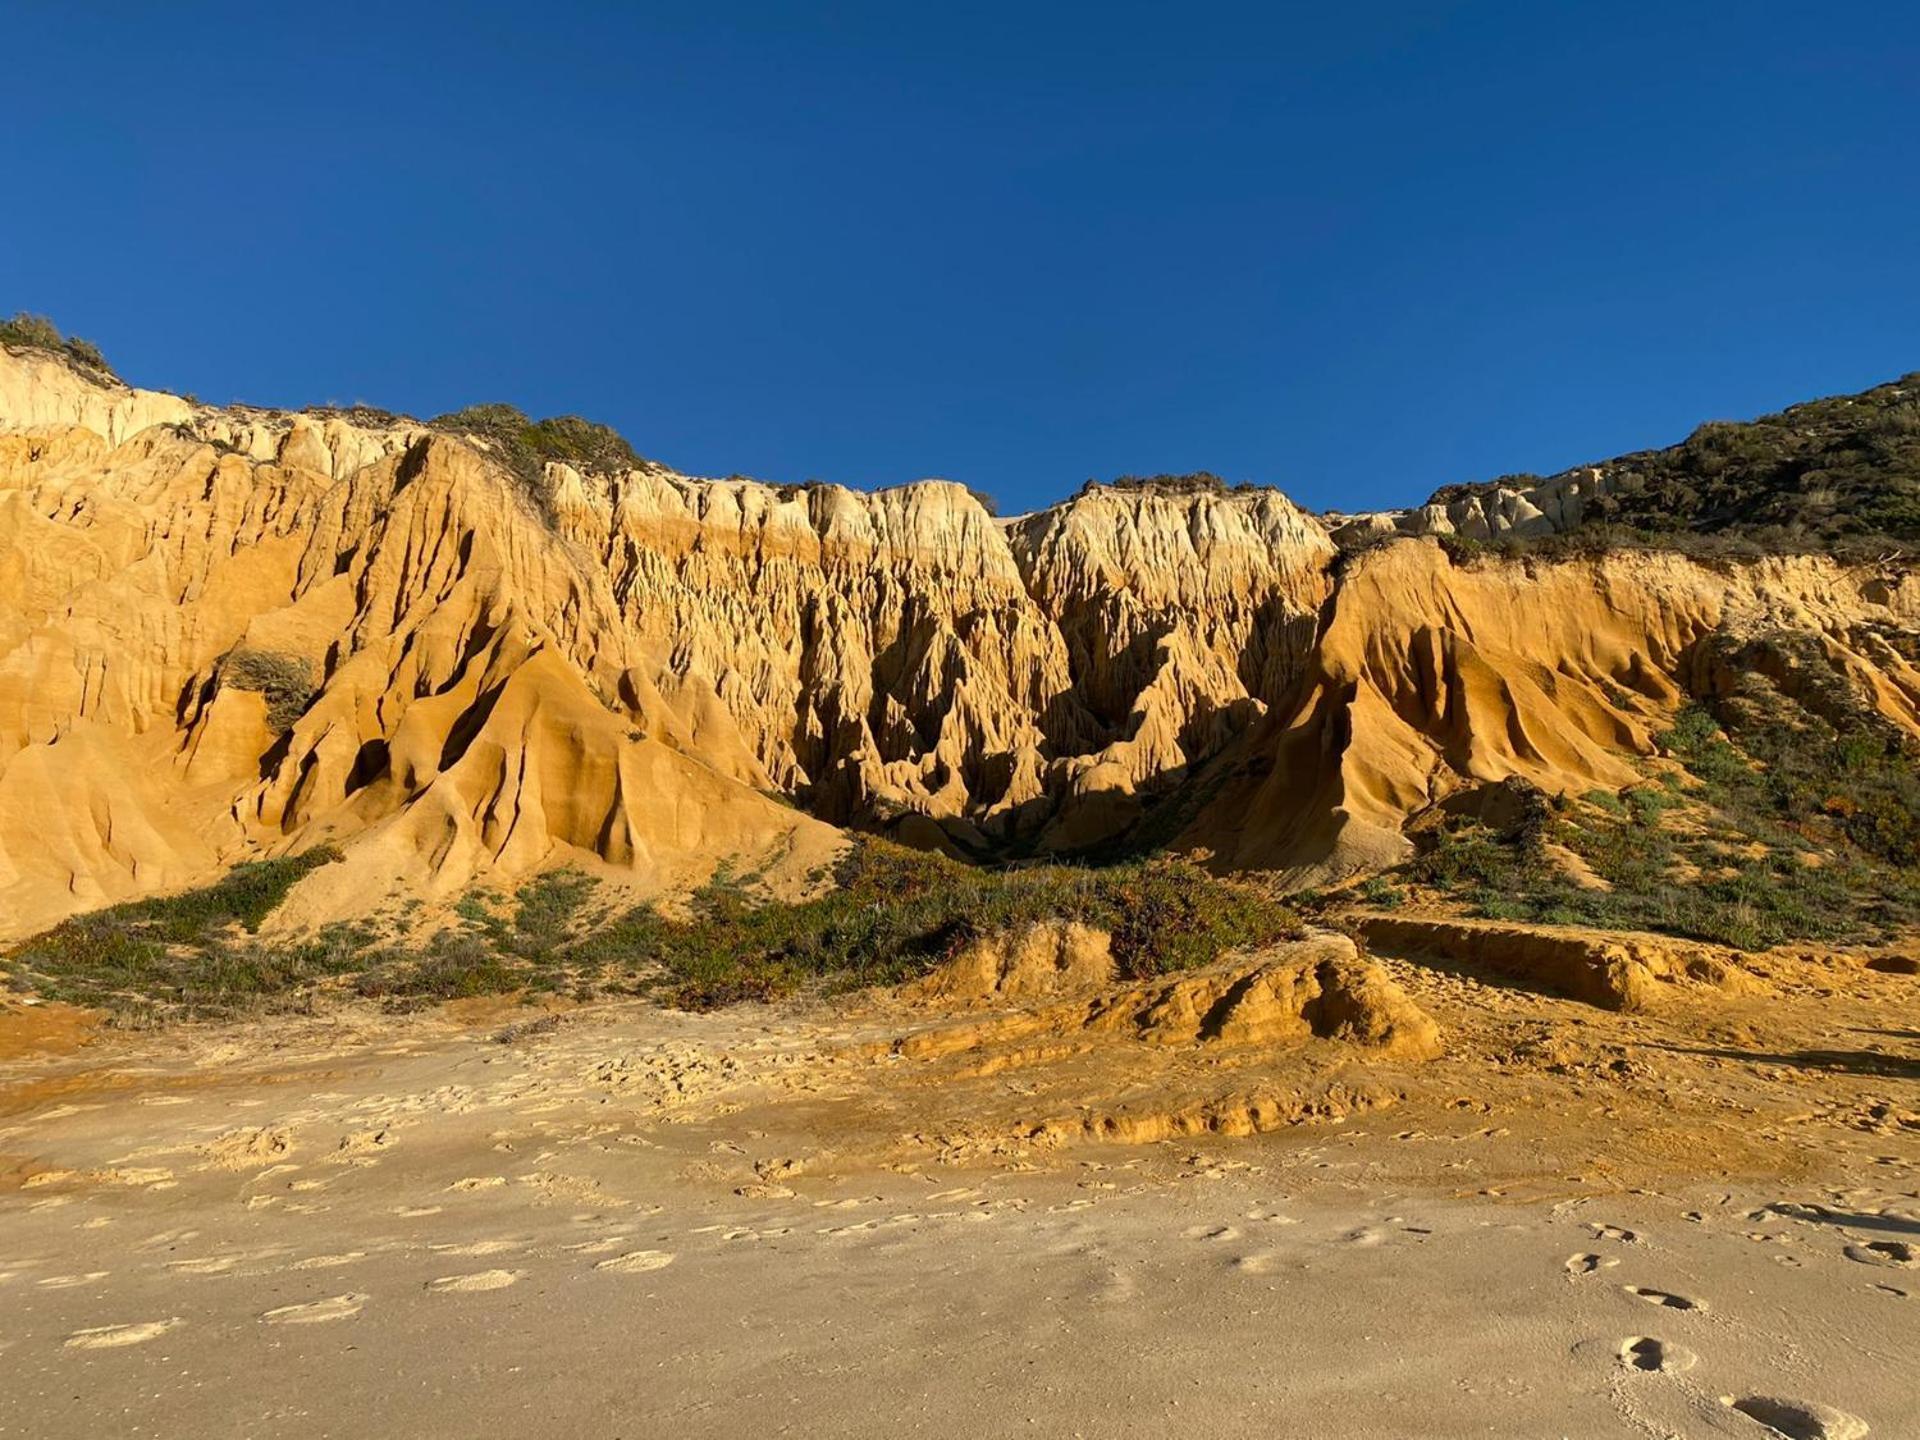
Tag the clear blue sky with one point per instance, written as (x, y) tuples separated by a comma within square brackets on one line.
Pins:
[(1353, 250)]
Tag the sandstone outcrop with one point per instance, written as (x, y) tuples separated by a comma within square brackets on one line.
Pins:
[(1429, 676), (1048, 959), (1543, 507), (1616, 971), (1318, 988)]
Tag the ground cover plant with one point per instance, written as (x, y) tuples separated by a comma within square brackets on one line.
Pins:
[(191, 954), (889, 914), (1794, 815)]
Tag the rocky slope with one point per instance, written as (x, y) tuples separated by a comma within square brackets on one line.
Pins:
[(225, 633)]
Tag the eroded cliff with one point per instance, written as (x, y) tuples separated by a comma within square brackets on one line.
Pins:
[(225, 633)]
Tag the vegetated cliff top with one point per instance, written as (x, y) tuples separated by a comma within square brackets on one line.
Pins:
[(1841, 472), (36, 332)]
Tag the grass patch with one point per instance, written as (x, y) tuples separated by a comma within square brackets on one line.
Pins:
[(286, 681), (190, 954), (893, 914)]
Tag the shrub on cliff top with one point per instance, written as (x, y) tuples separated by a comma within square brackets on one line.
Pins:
[(37, 332), (527, 445)]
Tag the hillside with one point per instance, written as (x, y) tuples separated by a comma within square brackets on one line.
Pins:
[(1838, 476), (465, 653)]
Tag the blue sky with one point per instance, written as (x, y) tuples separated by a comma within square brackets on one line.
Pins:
[(1354, 251)]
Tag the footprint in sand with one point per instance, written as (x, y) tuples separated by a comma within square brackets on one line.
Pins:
[(1271, 1217), (1885, 1252), (359, 1150), (478, 1247), (1664, 1298), (1613, 1232), (247, 1149), (1261, 1262), (1115, 1285), (471, 1284), (113, 1337), (1800, 1419), (206, 1265), (1644, 1352), (760, 1190), (329, 1262), (596, 1247), (1212, 1232), (67, 1282), (1586, 1264), (479, 1182), (316, 1312), (636, 1262)]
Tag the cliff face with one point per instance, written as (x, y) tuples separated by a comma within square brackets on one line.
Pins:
[(903, 653), (1429, 679), (229, 633)]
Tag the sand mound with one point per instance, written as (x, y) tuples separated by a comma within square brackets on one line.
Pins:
[(1617, 971), (1318, 988)]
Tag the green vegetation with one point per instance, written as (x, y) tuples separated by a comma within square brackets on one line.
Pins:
[(189, 954), (1198, 482), (1789, 824), (495, 949), (286, 681), (1839, 474), (1379, 890), (1823, 762), (897, 913), (37, 332), (527, 445), (894, 914), (985, 501)]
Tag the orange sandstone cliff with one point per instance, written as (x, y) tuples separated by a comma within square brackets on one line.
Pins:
[(231, 633)]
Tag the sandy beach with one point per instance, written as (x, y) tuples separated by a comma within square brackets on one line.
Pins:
[(626, 1222)]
